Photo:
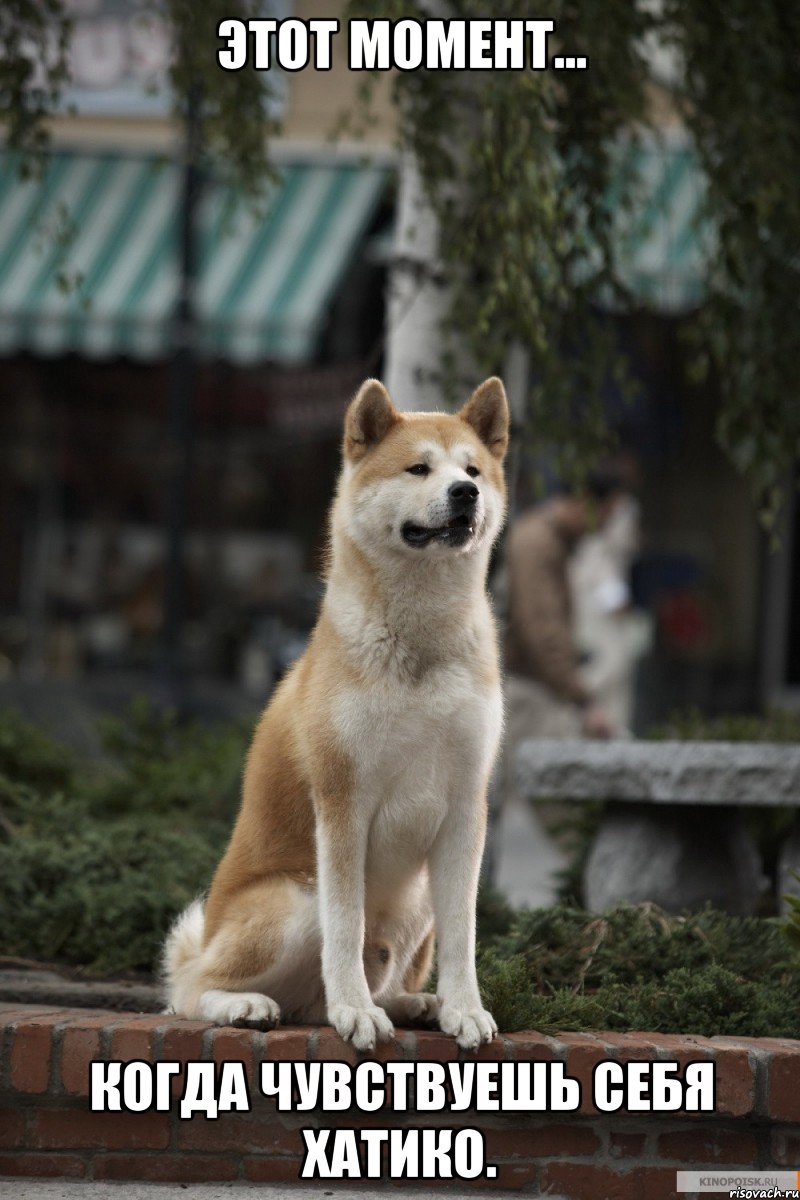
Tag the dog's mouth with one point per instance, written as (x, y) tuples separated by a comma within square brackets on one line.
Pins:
[(456, 532)]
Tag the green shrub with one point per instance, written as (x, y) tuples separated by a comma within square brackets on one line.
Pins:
[(95, 863), (638, 968), (160, 765), (30, 756), (567, 947), (691, 725), (100, 894)]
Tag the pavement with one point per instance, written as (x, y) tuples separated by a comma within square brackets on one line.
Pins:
[(58, 1189)]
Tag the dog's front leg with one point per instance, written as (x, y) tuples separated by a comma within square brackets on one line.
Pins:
[(341, 856), (454, 866)]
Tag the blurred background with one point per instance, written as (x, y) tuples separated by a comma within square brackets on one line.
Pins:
[(175, 359), (197, 270)]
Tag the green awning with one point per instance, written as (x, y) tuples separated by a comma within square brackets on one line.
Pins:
[(88, 257), (663, 245)]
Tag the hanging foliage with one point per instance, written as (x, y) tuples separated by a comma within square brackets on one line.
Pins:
[(34, 36), (742, 105), (520, 168), (234, 105)]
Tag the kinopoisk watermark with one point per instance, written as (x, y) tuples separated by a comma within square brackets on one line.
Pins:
[(750, 1185)]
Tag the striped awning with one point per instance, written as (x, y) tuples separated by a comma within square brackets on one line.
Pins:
[(89, 257), (663, 245)]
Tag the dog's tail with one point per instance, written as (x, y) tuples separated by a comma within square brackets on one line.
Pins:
[(182, 950)]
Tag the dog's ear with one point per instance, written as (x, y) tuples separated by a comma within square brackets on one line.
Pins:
[(487, 412), (369, 418)]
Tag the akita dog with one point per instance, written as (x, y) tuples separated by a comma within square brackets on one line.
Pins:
[(364, 799)]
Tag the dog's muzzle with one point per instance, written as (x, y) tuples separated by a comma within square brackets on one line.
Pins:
[(462, 498)]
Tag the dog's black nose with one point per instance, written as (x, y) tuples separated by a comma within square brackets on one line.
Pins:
[(462, 494)]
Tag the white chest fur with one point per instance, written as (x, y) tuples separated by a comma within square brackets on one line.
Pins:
[(416, 750)]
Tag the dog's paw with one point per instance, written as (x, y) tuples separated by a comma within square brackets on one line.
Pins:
[(250, 1009), (469, 1026), (413, 1006), (361, 1026)]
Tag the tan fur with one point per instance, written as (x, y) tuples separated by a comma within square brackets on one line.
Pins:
[(417, 974), (301, 783)]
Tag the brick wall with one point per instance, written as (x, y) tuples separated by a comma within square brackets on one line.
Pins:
[(47, 1129)]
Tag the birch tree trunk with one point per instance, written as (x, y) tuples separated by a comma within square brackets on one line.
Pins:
[(418, 298)]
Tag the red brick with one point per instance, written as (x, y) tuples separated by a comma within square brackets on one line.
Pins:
[(393, 1050), (154, 1022), (79, 1047), (736, 1084), (785, 1147), (659, 1183), (275, 1170), (83, 1016), (511, 1177), (493, 1051), (182, 1042), (784, 1084), (626, 1145), (237, 1045), (331, 1047), (770, 1044), (634, 1045), (691, 1049), (10, 1012), (550, 1141), (583, 1055), (166, 1168), (12, 1128), (708, 1147), (734, 1071), (287, 1044), (435, 1047), (31, 1053), (75, 1128), (688, 1045), (581, 1181), (530, 1047), (132, 1043), (51, 1166), (239, 1133)]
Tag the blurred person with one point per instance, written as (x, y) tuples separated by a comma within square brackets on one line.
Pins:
[(611, 634), (547, 695)]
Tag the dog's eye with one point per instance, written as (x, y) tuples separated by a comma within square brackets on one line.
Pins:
[(472, 471), (419, 469)]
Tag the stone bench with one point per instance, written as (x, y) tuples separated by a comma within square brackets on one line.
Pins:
[(672, 832)]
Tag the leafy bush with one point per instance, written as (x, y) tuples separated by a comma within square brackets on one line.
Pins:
[(637, 968), (30, 756), (160, 765), (99, 894), (792, 925), (95, 862), (691, 725)]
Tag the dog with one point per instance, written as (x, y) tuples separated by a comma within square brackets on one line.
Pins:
[(363, 812)]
